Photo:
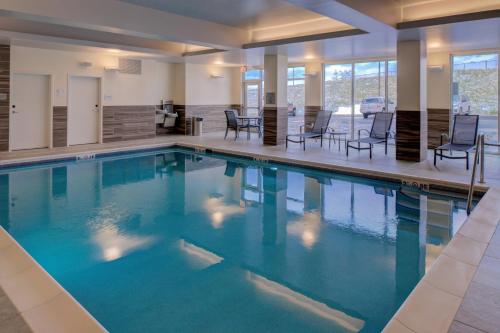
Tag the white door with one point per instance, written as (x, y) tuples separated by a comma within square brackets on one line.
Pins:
[(30, 111), (83, 110), (252, 98)]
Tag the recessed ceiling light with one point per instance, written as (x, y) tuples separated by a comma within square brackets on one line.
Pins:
[(309, 57), (218, 62), (114, 51)]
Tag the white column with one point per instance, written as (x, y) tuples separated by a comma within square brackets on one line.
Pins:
[(275, 99), (411, 113)]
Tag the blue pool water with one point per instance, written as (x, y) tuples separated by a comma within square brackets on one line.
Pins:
[(173, 241)]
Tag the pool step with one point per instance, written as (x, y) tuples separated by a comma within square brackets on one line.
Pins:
[(437, 213)]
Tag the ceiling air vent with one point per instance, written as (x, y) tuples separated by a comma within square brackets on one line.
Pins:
[(130, 66)]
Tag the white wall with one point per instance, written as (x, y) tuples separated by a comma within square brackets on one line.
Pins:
[(313, 88), (439, 81), (276, 79), (180, 84), (411, 76), (202, 89), (155, 83)]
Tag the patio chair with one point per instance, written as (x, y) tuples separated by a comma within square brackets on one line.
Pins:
[(230, 169), (233, 123), (463, 139), (257, 123), (378, 134), (316, 131)]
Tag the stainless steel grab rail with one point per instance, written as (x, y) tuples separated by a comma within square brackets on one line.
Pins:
[(481, 160), (478, 153)]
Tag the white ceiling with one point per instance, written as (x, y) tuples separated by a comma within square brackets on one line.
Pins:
[(423, 9), (330, 50), (246, 14), (262, 20), (457, 37)]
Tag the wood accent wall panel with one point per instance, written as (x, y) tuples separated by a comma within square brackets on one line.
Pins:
[(5, 103), (180, 124), (214, 118), (237, 107), (310, 113), (275, 125), (60, 126), (438, 123), (121, 123), (411, 141)]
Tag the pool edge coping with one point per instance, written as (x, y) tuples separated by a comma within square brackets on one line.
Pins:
[(30, 308), (427, 302), (200, 148), (480, 215)]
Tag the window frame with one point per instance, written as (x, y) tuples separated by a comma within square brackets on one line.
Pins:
[(353, 86), (452, 69), (293, 78)]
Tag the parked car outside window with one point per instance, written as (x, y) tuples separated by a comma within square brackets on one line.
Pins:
[(372, 105)]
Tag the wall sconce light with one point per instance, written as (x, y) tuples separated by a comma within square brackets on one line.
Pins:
[(85, 64), (111, 69), (311, 74), (435, 68), (216, 76)]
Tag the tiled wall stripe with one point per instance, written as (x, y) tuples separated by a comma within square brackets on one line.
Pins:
[(408, 138), (214, 119), (275, 125), (5, 92), (60, 126), (438, 123), (310, 113), (121, 123)]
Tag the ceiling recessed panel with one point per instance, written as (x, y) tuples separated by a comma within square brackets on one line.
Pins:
[(237, 13)]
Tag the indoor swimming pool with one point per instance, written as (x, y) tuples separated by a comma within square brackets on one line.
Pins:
[(179, 241)]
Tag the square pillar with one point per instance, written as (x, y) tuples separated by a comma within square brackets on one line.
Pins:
[(274, 208), (275, 99), (411, 240), (411, 113)]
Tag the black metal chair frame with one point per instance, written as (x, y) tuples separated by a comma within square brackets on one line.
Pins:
[(235, 127), (309, 135), (257, 123), (370, 140), (449, 147)]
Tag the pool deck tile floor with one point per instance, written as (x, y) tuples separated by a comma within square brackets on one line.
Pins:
[(32, 301), (447, 171), (460, 293)]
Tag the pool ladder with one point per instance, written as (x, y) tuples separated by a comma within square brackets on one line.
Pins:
[(478, 159)]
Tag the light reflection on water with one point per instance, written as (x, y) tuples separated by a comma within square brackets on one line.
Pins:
[(175, 241)]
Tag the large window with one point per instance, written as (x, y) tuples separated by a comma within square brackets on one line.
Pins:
[(296, 88), (356, 91), (253, 74), (369, 93), (475, 90), (338, 95), (296, 98)]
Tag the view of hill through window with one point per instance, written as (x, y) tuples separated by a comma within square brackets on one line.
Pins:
[(475, 90)]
